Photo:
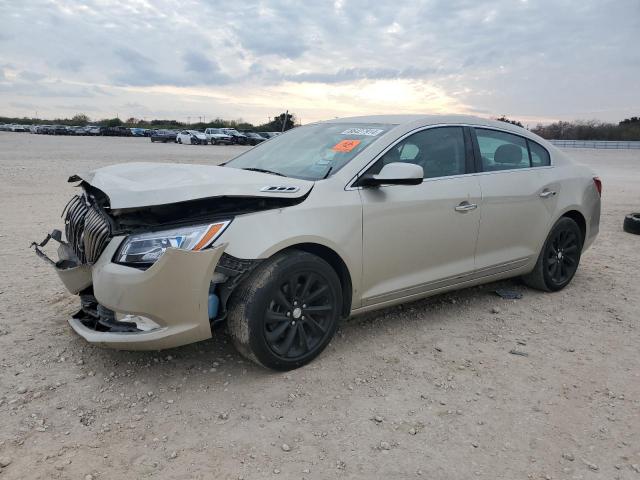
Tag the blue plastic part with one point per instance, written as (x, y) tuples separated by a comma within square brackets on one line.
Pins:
[(214, 303)]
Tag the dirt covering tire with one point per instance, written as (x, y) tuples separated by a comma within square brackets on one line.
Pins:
[(559, 258), (286, 312), (632, 223)]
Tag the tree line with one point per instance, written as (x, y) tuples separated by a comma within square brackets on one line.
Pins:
[(627, 129), (275, 125)]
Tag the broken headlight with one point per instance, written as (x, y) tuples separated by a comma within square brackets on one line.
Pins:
[(146, 248)]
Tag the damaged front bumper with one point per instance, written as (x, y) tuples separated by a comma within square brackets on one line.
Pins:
[(164, 306)]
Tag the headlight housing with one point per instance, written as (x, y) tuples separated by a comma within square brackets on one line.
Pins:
[(147, 248)]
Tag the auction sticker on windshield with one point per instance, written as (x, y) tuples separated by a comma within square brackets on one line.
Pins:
[(369, 132), (345, 145)]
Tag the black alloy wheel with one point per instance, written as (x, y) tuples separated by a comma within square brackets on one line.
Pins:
[(562, 255), (559, 259), (299, 315), (286, 312)]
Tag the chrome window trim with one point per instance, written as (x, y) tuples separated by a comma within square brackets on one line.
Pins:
[(353, 179)]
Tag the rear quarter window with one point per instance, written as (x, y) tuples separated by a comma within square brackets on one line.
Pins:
[(539, 155)]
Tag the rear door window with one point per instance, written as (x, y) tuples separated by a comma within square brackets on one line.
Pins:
[(502, 151)]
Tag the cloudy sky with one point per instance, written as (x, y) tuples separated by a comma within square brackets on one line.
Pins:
[(535, 60)]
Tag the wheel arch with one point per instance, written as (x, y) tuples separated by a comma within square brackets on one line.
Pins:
[(580, 219), (336, 262)]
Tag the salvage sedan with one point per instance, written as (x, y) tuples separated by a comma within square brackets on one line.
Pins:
[(328, 220)]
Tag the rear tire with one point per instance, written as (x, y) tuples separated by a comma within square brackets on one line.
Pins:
[(559, 258), (286, 312)]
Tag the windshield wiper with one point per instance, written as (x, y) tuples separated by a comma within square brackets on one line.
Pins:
[(262, 170)]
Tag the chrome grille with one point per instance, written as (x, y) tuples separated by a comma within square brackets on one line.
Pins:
[(86, 228)]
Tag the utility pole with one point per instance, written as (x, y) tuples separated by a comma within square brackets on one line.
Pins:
[(286, 116)]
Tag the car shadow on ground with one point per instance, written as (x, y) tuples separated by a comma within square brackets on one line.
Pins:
[(219, 357)]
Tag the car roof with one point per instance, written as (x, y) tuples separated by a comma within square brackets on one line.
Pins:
[(424, 120)]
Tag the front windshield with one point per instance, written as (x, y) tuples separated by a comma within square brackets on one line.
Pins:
[(312, 152)]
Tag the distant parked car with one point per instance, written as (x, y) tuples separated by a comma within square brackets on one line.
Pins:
[(18, 128), (95, 130), (44, 129), (239, 138), (77, 130), (58, 130), (138, 132), (268, 135), (163, 136), (192, 137), (117, 132), (253, 138), (217, 136)]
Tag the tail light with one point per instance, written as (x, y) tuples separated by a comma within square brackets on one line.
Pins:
[(598, 183)]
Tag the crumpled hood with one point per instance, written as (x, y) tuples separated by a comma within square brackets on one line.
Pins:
[(143, 184)]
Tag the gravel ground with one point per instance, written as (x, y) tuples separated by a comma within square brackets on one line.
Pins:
[(426, 390)]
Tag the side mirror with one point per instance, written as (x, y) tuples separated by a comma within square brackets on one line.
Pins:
[(396, 173)]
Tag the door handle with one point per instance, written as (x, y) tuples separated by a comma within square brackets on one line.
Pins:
[(547, 193), (465, 207)]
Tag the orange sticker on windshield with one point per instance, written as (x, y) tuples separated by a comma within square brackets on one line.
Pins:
[(345, 145)]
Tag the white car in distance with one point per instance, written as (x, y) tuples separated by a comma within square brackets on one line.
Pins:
[(192, 137), (217, 136)]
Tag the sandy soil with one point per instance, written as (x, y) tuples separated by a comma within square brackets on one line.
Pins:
[(427, 390)]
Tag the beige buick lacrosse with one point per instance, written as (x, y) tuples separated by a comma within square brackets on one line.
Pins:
[(328, 220)]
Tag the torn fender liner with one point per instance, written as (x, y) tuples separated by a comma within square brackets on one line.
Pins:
[(173, 292), (143, 184)]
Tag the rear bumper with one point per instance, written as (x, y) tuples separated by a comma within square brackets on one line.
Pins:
[(173, 293)]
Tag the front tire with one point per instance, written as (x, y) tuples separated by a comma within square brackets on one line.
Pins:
[(559, 258), (286, 312)]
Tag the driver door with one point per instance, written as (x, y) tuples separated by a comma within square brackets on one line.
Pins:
[(420, 238)]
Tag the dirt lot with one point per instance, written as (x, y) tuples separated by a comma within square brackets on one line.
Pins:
[(428, 390)]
